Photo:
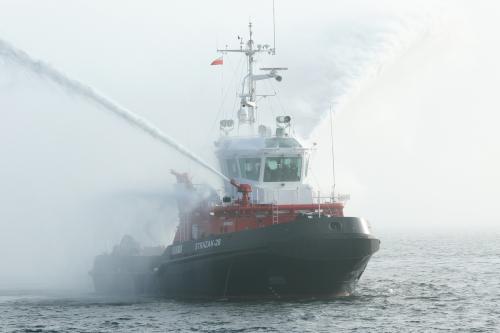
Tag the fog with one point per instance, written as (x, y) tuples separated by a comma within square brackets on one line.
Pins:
[(412, 87)]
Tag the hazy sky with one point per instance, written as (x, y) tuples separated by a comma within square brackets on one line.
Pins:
[(413, 85)]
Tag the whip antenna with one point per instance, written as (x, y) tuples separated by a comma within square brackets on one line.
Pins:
[(274, 31), (333, 152)]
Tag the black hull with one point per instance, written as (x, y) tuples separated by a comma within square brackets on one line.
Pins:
[(262, 275), (311, 257)]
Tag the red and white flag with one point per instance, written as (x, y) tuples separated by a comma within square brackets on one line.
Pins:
[(218, 61)]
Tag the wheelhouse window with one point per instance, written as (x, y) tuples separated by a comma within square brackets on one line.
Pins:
[(250, 168), (282, 169), (232, 168)]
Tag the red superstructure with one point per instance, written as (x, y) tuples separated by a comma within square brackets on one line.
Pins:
[(210, 217)]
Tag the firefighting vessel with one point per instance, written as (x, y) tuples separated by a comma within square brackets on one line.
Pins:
[(269, 236)]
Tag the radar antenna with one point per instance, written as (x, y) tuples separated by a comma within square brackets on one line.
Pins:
[(248, 101)]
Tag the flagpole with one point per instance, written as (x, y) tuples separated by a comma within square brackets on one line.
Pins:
[(222, 84)]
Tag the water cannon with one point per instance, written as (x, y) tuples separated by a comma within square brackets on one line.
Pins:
[(183, 178), (245, 190)]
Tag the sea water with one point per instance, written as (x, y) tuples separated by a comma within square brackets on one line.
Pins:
[(420, 281)]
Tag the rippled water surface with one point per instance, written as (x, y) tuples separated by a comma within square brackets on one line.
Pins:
[(417, 282)]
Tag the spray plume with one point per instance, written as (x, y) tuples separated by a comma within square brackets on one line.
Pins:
[(21, 58)]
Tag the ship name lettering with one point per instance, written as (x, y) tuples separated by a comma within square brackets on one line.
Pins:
[(207, 244)]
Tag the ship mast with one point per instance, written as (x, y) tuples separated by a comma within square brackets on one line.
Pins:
[(248, 102)]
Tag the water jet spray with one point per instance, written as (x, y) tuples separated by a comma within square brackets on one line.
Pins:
[(21, 58)]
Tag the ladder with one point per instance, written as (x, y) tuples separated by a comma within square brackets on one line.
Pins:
[(275, 209)]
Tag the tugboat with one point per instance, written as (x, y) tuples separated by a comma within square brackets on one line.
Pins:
[(269, 236)]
